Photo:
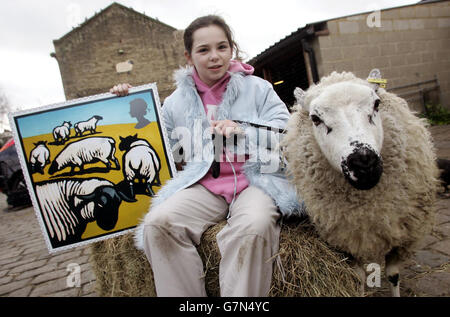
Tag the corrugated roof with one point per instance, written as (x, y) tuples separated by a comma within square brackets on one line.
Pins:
[(298, 34)]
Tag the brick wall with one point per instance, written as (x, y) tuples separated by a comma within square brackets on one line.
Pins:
[(88, 55), (412, 45)]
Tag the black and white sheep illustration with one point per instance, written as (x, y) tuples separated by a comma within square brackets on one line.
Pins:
[(68, 205), (62, 133), (140, 162), (365, 167), (89, 125), (86, 151), (39, 157)]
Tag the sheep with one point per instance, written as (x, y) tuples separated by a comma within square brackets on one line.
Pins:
[(62, 132), (141, 162), (68, 205), (365, 166), (444, 167), (39, 157), (89, 150), (89, 125)]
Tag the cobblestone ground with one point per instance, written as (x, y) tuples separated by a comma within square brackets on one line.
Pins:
[(27, 268)]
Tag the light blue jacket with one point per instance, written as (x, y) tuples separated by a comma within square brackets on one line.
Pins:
[(247, 98)]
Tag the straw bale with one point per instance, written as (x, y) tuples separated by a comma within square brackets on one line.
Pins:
[(304, 266)]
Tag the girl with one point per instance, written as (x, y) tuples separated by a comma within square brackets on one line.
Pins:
[(211, 92)]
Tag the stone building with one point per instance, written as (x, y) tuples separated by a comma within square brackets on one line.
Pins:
[(118, 45), (409, 44)]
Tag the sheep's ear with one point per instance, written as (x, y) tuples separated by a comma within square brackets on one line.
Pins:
[(125, 197), (299, 95), (87, 198), (375, 79)]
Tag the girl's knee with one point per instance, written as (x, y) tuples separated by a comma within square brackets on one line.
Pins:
[(157, 217), (259, 224)]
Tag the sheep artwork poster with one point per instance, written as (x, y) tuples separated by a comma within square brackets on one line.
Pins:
[(92, 165)]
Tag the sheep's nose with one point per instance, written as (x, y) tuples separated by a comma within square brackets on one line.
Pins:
[(363, 161), (363, 168)]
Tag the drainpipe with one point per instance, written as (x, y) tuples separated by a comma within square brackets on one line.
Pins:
[(310, 62)]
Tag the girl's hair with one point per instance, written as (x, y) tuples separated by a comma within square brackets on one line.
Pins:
[(206, 21)]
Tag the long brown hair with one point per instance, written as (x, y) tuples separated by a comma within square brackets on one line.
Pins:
[(206, 21)]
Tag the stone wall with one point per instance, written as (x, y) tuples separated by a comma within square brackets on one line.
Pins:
[(88, 55), (410, 45)]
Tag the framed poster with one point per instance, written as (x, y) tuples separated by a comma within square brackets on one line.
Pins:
[(92, 165)]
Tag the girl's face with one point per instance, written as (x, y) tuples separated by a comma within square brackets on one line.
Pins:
[(211, 54)]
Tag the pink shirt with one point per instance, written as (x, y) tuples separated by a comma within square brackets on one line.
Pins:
[(211, 97)]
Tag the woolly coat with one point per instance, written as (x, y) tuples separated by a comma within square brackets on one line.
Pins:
[(247, 98), (397, 212), (86, 151), (40, 155), (141, 161), (64, 223)]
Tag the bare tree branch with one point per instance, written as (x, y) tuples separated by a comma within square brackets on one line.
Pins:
[(5, 108)]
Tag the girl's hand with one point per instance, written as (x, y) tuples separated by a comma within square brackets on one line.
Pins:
[(225, 127), (120, 89)]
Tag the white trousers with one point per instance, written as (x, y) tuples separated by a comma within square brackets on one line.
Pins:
[(247, 243)]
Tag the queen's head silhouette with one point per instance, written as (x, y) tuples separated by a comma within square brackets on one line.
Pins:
[(138, 109)]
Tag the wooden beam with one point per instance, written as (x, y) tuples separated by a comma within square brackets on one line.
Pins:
[(267, 75), (308, 68)]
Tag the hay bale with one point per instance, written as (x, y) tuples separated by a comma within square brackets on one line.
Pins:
[(308, 266)]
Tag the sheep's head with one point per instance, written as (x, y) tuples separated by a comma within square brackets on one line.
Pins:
[(125, 143), (43, 143), (102, 205), (347, 127)]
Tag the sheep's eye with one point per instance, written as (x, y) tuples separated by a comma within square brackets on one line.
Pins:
[(102, 201), (376, 105), (316, 120)]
